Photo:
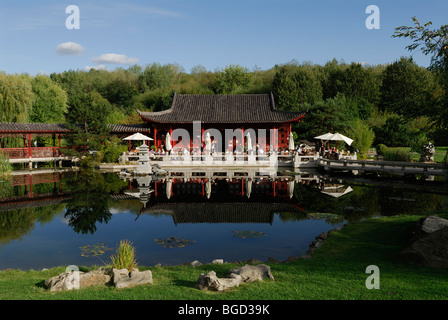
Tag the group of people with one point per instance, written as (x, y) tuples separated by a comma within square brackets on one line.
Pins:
[(327, 152)]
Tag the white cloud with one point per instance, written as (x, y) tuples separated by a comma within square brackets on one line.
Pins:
[(69, 48), (99, 67), (114, 58)]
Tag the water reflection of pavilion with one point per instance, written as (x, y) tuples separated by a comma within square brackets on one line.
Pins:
[(217, 196), (232, 212), (28, 198)]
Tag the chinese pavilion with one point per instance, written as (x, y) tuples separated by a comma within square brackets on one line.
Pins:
[(240, 113)]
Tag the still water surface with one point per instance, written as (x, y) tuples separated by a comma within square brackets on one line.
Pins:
[(55, 218)]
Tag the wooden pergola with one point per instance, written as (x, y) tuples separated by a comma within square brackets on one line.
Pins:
[(30, 131)]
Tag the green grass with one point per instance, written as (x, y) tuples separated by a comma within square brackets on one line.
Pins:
[(336, 271)]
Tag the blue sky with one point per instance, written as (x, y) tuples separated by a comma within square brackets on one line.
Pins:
[(252, 33)]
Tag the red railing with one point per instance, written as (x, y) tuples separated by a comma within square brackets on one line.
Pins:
[(34, 152)]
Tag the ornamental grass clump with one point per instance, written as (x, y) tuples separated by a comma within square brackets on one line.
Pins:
[(125, 256)]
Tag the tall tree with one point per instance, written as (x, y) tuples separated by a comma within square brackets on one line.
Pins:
[(16, 98), (232, 78), (432, 42), (50, 101), (86, 116), (407, 89), (295, 86), (159, 76), (354, 80)]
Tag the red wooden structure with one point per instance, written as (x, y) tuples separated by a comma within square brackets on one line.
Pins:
[(30, 131), (238, 113)]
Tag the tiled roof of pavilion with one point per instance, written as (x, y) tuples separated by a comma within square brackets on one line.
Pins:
[(6, 128), (238, 108)]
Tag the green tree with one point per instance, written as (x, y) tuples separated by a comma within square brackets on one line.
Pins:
[(362, 135), (158, 76), (394, 133), (332, 115), (86, 116), (352, 81), (407, 89), (432, 42), (121, 94), (231, 79), (50, 101), (295, 86), (16, 98)]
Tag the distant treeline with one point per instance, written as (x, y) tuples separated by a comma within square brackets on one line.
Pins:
[(397, 104)]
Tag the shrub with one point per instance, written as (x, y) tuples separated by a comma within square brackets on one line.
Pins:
[(113, 149), (380, 149), (361, 134), (125, 256), (396, 155)]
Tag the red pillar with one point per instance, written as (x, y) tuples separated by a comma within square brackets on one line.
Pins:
[(29, 145)]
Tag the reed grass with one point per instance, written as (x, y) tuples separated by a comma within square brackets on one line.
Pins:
[(125, 256)]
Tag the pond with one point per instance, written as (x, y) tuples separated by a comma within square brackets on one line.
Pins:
[(62, 217)]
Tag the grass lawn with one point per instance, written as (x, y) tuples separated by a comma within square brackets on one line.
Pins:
[(336, 271)]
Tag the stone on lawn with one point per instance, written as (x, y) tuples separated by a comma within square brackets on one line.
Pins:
[(77, 280), (210, 281), (250, 273), (125, 279)]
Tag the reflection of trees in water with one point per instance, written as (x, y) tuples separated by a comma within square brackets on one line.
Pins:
[(86, 210), (15, 224), (365, 201), (90, 202)]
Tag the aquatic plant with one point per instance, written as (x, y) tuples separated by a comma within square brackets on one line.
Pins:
[(248, 234), (95, 250), (174, 242), (125, 256)]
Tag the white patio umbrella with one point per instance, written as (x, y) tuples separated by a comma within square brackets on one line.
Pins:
[(208, 142), (138, 136), (249, 143), (326, 136), (168, 142), (334, 137), (291, 141), (341, 137)]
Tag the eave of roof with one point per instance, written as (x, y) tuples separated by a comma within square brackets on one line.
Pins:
[(36, 128), (245, 108)]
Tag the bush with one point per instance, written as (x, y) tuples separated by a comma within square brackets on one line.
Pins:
[(125, 256), (380, 149), (112, 150), (396, 155), (361, 134)]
